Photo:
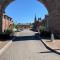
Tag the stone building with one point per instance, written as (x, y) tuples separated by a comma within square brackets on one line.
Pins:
[(7, 23), (45, 21), (53, 7), (3, 5), (37, 23), (24, 26)]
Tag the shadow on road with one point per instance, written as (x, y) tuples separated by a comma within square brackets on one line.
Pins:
[(6, 38), (24, 38), (48, 51)]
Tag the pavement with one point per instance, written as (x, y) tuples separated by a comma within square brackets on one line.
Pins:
[(27, 46), (52, 45), (4, 45)]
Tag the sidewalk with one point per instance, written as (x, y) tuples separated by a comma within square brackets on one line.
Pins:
[(4, 45), (53, 46)]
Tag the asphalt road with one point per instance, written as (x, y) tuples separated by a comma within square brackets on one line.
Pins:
[(27, 46)]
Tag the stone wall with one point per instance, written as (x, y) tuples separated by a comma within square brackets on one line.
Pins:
[(53, 7), (0, 24), (7, 23)]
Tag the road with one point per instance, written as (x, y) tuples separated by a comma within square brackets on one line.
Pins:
[(27, 46)]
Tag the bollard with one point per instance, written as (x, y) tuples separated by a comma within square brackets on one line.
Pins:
[(52, 37)]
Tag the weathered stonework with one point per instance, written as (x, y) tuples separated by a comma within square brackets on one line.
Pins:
[(7, 23), (53, 7), (3, 5)]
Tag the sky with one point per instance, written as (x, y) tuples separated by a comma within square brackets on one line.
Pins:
[(23, 11)]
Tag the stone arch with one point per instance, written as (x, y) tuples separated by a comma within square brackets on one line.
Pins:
[(3, 5), (49, 4), (53, 7)]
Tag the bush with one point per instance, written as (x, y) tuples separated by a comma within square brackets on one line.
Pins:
[(6, 35), (42, 29), (8, 32), (44, 32)]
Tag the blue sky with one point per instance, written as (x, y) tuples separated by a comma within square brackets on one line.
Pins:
[(23, 11)]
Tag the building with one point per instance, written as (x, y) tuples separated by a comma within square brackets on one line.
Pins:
[(37, 23), (45, 22), (3, 5), (24, 26), (53, 7), (7, 23)]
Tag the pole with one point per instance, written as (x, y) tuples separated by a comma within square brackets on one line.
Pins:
[(52, 37)]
